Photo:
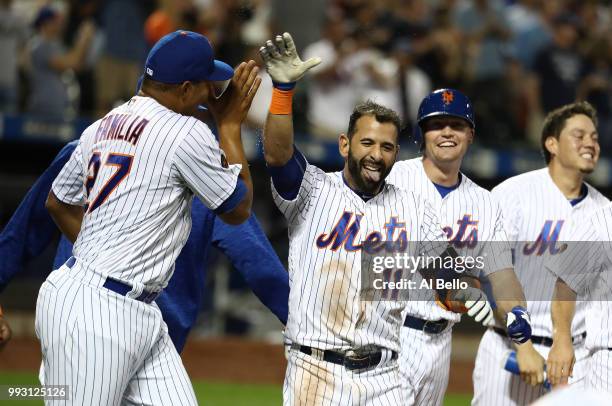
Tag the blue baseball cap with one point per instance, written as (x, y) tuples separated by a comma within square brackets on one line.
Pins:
[(45, 14), (185, 56)]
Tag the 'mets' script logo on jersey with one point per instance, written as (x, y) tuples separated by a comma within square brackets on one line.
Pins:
[(467, 232), (344, 234), (547, 240)]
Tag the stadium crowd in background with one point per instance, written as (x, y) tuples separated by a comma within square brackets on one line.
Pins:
[(518, 59)]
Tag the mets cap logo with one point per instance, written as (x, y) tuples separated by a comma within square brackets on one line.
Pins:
[(448, 97)]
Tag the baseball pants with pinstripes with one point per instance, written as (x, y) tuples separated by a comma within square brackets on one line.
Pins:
[(310, 381), (424, 366), (599, 371), (493, 385), (109, 349)]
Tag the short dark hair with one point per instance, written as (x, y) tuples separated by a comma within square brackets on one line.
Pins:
[(370, 108), (555, 122)]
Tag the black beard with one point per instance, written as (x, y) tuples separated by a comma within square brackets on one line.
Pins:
[(363, 185)]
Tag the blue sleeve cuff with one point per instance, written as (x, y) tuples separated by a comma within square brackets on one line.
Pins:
[(233, 200), (287, 179)]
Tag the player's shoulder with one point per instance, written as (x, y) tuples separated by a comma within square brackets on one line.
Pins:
[(408, 165), (473, 187), (470, 187), (87, 136), (520, 182), (160, 115), (408, 197), (596, 196), (405, 170)]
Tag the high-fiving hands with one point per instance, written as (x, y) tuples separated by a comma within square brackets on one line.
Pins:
[(282, 61)]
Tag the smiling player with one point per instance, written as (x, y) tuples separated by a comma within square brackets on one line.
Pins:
[(539, 207), (470, 219)]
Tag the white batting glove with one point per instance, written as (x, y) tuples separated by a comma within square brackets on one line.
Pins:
[(477, 304), (282, 61)]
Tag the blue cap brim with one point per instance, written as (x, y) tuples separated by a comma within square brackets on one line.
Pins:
[(222, 71)]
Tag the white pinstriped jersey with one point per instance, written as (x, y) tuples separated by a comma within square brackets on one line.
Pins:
[(328, 223), (536, 215), (135, 171), (467, 214), (586, 267)]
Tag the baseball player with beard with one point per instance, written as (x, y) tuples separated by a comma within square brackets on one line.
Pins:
[(470, 218), (343, 350), (539, 208), (125, 197)]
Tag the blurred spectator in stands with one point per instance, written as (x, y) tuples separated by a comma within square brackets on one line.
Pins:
[(531, 31), (124, 52), (51, 66), (486, 33), (331, 94), (303, 19), (560, 67), (595, 18), (438, 49), (596, 87), (412, 20), (239, 15), (256, 117), (412, 84), (13, 36), (373, 73), (371, 18), (78, 12), (174, 14), (487, 37), (388, 79)]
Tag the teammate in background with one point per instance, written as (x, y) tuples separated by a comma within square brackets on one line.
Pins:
[(584, 268), (472, 223), (343, 349), (124, 197), (31, 230), (538, 209)]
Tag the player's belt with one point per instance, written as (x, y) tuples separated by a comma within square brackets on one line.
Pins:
[(121, 288), (350, 360), (426, 326), (545, 341)]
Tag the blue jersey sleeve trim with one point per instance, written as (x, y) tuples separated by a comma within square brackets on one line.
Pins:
[(288, 178), (233, 200)]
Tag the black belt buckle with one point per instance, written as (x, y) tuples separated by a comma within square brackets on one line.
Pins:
[(368, 356), (352, 362), (363, 357), (148, 297), (434, 327), (426, 326)]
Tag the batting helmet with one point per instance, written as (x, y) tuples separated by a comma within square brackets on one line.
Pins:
[(444, 102)]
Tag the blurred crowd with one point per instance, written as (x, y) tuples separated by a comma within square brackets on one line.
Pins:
[(515, 59)]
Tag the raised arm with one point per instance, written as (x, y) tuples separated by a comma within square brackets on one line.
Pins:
[(285, 68), (229, 112)]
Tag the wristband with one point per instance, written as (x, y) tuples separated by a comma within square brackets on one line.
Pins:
[(282, 100)]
